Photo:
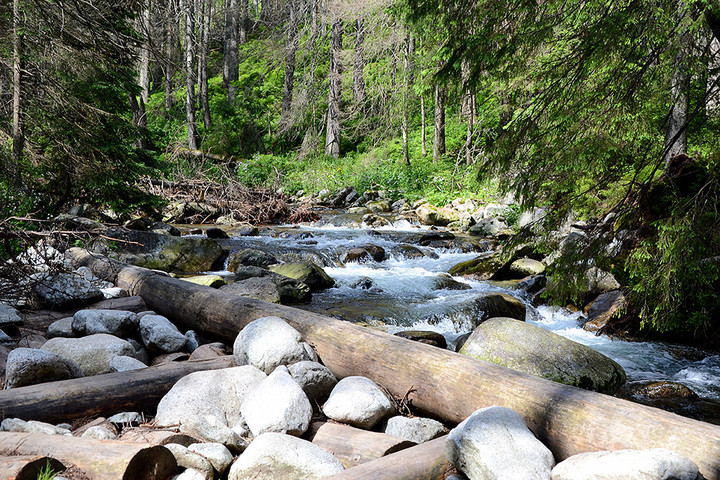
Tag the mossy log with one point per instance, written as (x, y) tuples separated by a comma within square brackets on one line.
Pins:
[(427, 461), (99, 459), (444, 384), (101, 394)]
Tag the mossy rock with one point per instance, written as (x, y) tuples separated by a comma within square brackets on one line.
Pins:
[(307, 272), (530, 349), (527, 266), (482, 266)]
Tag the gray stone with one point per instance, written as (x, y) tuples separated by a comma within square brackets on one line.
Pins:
[(267, 343), (307, 272), (489, 227), (415, 429), (358, 401), (160, 335), (527, 266), (192, 341), (124, 363), (431, 215), (64, 289), (124, 419), (9, 316), (41, 257), (61, 328), (316, 380), (651, 464), (30, 366), (498, 305), (249, 257), (495, 443), (600, 281), (207, 403), (215, 453), (99, 432), (32, 426), (92, 353), (535, 351), (273, 456), (277, 404), (188, 459), (114, 322), (259, 288), (603, 308), (140, 352)]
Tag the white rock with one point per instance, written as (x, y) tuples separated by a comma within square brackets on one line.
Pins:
[(278, 404), (160, 335), (316, 380), (30, 366), (274, 456), (114, 292), (191, 460), (92, 353), (189, 474), (126, 419), (63, 289), (215, 453), (208, 403), (651, 464), (416, 429), (99, 432), (32, 426), (495, 443), (210, 428), (358, 401), (114, 322), (13, 425), (125, 364), (267, 343)]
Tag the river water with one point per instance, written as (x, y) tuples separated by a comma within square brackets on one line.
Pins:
[(401, 293)]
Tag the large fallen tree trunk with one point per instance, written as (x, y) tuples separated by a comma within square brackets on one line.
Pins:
[(99, 459), (102, 394), (27, 467), (448, 385)]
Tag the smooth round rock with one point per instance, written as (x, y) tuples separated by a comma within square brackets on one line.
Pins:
[(160, 335), (358, 401), (316, 380), (267, 343), (113, 322), (415, 429), (93, 353), (215, 453), (30, 366), (651, 464)]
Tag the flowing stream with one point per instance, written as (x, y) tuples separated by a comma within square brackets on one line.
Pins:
[(405, 292)]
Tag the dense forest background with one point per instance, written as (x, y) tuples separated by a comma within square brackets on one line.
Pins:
[(604, 110)]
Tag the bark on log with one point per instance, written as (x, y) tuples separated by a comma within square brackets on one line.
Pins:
[(448, 385), (26, 467), (427, 461), (157, 437), (354, 446), (99, 459), (100, 395)]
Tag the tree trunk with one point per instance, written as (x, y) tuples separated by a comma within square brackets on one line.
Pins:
[(139, 118), (409, 68), (439, 137), (99, 459), (332, 135), (359, 63), (206, 13), (244, 26), (169, 63), (676, 130), (187, 6), (422, 125), (18, 135), (144, 60), (290, 53), (101, 394), (444, 384), (230, 49), (427, 461), (26, 467)]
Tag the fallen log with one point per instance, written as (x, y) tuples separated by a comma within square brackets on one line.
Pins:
[(157, 436), (427, 461), (102, 394), (354, 446), (447, 385), (99, 459), (27, 467)]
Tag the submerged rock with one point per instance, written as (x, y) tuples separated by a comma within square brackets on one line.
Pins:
[(306, 272)]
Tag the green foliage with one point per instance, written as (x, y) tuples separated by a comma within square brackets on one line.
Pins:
[(47, 472)]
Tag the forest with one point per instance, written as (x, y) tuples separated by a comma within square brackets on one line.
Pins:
[(607, 111)]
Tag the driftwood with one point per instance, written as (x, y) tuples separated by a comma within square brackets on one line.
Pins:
[(354, 446), (99, 459), (448, 385), (102, 394), (427, 461), (27, 467)]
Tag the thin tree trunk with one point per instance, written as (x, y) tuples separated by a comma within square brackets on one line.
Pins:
[(439, 137), (359, 63), (230, 48), (206, 9), (244, 26), (139, 118), (290, 53), (169, 54), (422, 125), (144, 62), (18, 144), (676, 130), (407, 94), (332, 135), (187, 8)]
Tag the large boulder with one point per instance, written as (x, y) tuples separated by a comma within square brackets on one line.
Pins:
[(29, 366), (499, 305), (495, 443), (162, 252), (207, 403), (307, 272), (365, 253), (535, 351), (602, 309), (261, 284), (523, 267), (249, 257), (273, 456), (215, 453), (415, 429), (650, 464), (114, 322), (63, 290), (93, 353), (278, 404), (316, 380), (358, 401), (440, 216), (269, 342), (482, 267), (160, 335)]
